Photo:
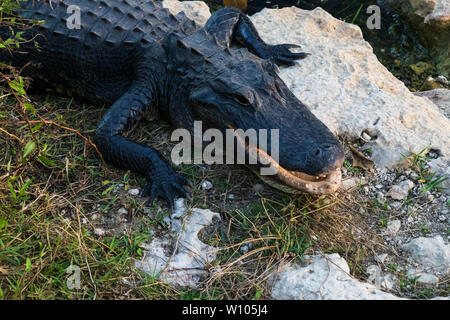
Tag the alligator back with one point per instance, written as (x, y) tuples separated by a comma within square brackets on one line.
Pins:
[(116, 22), (96, 59)]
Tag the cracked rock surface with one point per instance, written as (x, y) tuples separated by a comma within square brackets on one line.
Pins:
[(323, 277), (181, 258)]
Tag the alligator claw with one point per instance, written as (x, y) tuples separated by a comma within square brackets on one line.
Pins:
[(281, 54), (168, 185)]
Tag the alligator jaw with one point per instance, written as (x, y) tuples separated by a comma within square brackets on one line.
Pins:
[(295, 182)]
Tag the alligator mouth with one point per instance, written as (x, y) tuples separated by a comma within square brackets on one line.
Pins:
[(295, 182), (292, 181)]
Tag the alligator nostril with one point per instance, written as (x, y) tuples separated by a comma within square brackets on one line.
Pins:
[(323, 151)]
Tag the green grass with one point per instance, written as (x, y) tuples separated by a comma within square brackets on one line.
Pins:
[(36, 251), (430, 181), (51, 179)]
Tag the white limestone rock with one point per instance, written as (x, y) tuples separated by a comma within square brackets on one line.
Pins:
[(322, 278), (432, 255), (423, 277), (194, 10), (378, 278), (181, 258)]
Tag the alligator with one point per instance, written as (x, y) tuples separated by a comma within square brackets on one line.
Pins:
[(137, 57)]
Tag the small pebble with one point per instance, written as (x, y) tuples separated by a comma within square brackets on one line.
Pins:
[(365, 190), (246, 247), (366, 137), (348, 183), (122, 211), (396, 204), (258, 187), (167, 220), (99, 231), (393, 227), (206, 185), (442, 79), (133, 192), (400, 190), (414, 175)]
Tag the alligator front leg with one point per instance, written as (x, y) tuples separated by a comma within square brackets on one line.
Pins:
[(162, 180), (230, 23)]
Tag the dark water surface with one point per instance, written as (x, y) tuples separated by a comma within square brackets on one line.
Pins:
[(394, 44)]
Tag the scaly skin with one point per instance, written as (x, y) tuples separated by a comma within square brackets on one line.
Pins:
[(137, 57)]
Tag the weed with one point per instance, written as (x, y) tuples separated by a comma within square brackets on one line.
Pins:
[(429, 179)]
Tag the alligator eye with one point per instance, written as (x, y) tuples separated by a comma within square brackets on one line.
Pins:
[(242, 100)]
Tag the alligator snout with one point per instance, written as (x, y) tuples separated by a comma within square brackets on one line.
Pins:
[(324, 158)]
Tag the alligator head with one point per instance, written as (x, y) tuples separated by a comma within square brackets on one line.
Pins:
[(232, 88)]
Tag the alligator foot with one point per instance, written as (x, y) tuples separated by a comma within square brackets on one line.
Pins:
[(281, 55), (166, 184), (230, 23)]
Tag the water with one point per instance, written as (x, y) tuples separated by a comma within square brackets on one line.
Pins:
[(394, 44)]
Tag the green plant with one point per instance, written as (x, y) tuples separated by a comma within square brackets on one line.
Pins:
[(429, 179)]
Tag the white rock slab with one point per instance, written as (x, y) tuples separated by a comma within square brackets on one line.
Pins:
[(322, 278), (194, 10), (180, 259), (432, 255)]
